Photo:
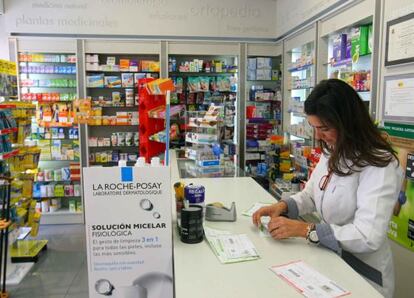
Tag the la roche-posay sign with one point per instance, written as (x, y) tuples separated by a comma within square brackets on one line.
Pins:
[(128, 231)]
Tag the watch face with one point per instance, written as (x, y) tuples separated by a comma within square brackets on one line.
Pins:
[(313, 236)]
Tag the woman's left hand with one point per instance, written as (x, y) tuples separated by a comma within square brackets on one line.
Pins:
[(281, 228)]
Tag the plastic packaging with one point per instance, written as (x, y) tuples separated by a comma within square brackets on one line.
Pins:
[(141, 162), (122, 163), (155, 161)]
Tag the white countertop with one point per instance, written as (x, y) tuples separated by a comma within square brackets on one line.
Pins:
[(198, 272)]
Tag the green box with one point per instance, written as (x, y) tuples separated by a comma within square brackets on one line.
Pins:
[(359, 41), (370, 39), (59, 190), (72, 205)]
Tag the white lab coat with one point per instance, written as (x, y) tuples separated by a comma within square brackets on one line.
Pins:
[(358, 209)]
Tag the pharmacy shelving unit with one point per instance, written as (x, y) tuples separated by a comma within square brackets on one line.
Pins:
[(225, 71), (263, 94), (345, 45), (203, 133), (16, 195), (112, 71), (300, 78), (48, 78), (202, 80)]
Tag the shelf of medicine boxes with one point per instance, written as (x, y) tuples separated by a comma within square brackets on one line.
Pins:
[(21, 112), (112, 137), (263, 106), (60, 150), (300, 81), (202, 80), (111, 78), (46, 75), (159, 113), (111, 84), (203, 130), (69, 206), (349, 65)]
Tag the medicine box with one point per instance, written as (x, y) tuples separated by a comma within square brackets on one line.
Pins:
[(252, 156), (359, 40), (113, 81), (263, 62), (127, 80), (251, 63), (370, 39), (251, 74), (263, 74), (96, 81), (124, 64)]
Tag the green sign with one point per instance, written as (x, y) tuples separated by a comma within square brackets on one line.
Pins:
[(399, 130)]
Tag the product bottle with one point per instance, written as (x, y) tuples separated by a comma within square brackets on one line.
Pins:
[(141, 162), (155, 161), (122, 163), (174, 64), (170, 66)]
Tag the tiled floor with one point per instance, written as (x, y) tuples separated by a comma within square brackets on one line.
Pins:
[(61, 271)]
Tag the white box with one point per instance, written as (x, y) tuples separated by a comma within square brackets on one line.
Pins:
[(92, 66), (251, 63), (264, 62), (263, 74), (252, 156), (251, 74)]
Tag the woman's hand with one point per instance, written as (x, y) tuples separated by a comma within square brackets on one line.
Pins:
[(273, 211), (281, 228)]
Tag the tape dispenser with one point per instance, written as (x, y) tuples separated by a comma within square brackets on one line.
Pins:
[(217, 212)]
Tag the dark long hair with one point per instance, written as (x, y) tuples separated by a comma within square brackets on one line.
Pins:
[(359, 142)]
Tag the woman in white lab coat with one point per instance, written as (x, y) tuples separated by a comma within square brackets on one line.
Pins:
[(354, 187)]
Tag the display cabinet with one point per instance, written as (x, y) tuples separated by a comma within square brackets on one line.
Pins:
[(263, 106), (204, 132), (204, 80), (346, 42), (111, 85), (49, 80), (300, 78)]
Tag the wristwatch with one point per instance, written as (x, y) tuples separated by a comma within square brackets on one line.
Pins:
[(311, 234)]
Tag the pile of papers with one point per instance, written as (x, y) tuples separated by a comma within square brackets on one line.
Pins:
[(230, 248)]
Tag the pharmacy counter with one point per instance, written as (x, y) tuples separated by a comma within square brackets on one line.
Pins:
[(198, 272)]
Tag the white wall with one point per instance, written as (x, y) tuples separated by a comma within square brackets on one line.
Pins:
[(291, 13), (4, 47), (184, 18)]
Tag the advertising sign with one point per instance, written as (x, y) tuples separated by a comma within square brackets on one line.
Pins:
[(401, 227), (128, 232)]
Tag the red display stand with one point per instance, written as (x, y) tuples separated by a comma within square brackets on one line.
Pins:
[(149, 126)]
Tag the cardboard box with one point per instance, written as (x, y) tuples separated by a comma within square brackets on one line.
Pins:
[(124, 64), (263, 63), (359, 41), (127, 80), (112, 81), (370, 39), (263, 74), (251, 63), (251, 74), (96, 81)]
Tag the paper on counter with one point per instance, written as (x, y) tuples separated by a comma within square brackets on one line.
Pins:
[(309, 282), (230, 248), (254, 208)]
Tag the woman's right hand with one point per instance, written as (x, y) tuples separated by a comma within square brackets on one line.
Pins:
[(274, 210)]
